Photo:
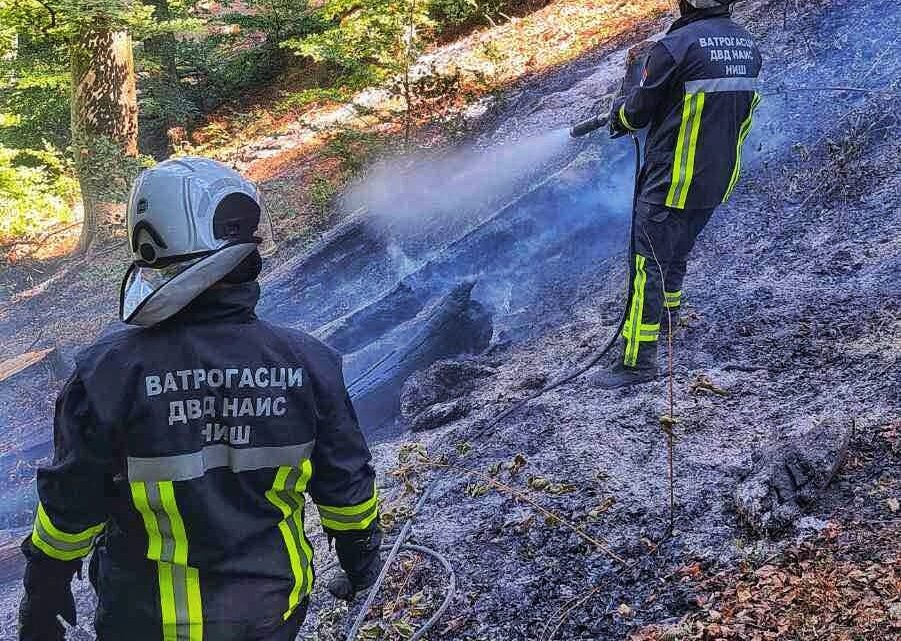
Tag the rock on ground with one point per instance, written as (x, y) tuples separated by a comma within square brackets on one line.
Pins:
[(789, 473), (442, 381)]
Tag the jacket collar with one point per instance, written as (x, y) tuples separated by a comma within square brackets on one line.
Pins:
[(221, 304), (699, 14)]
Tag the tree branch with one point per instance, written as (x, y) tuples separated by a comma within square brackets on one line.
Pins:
[(52, 13)]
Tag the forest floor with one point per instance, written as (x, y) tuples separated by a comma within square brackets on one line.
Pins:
[(557, 520)]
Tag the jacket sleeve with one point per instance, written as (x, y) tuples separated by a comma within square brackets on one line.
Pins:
[(73, 490), (343, 481), (635, 109), (343, 485)]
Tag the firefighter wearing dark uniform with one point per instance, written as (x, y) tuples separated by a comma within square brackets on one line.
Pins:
[(184, 447), (697, 95)]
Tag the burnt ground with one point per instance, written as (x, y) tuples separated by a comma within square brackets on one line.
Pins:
[(793, 312)]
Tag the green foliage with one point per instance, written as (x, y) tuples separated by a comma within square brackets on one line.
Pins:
[(106, 171), (372, 38), (37, 189), (354, 148), (453, 15), (331, 87), (190, 61)]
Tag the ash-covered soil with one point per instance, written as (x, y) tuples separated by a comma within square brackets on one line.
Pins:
[(793, 314), (793, 308)]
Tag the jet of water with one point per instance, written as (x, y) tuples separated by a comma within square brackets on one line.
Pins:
[(421, 194)]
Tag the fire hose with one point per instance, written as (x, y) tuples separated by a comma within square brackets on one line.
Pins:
[(400, 543)]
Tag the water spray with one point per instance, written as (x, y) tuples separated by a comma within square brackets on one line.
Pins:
[(587, 126)]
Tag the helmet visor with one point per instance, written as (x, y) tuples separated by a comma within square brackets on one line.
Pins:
[(141, 282), (264, 234), (150, 295)]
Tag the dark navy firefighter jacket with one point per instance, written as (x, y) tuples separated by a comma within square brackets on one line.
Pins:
[(697, 94), (182, 454)]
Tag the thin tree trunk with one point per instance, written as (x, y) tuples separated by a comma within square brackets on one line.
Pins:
[(104, 125), (408, 55)]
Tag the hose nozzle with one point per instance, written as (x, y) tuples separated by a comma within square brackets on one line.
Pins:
[(587, 126)]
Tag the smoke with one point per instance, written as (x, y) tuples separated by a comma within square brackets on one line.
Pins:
[(431, 195)]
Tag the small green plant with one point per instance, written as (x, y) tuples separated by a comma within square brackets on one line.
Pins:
[(321, 193)]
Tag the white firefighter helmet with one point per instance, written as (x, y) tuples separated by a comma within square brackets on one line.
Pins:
[(190, 221)]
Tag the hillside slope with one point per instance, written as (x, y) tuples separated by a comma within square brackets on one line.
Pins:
[(794, 319)]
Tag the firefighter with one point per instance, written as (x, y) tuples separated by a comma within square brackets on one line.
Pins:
[(696, 95), (184, 444)]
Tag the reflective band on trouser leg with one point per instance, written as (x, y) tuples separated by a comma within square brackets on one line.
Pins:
[(60, 545), (167, 544), (742, 136), (287, 495), (686, 149), (672, 300), (636, 309)]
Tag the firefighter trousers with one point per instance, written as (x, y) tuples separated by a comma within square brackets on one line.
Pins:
[(662, 240)]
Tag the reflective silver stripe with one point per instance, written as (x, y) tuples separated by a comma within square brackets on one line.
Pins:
[(63, 546), (714, 85), (325, 513), (183, 467)]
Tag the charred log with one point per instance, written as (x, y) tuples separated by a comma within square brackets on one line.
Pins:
[(359, 328), (456, 324)]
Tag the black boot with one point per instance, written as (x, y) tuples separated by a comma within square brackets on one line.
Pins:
[(620, 375)]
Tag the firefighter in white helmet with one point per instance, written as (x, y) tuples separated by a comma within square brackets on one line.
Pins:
[(185, 443)]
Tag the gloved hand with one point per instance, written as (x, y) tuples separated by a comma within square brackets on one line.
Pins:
[(361, 562), (341, 587), (614, 125), (48, 593)]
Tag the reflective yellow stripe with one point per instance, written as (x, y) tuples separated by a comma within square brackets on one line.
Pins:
[(167, 601), (195, 604), (60, 545), (84, 536), (686, 151), (351, 517), (632, 327), (624, 120), (181, 605), (341, 526), (56, 553), (692, 149), (155, 541), (675, 180), (167, 495), (671, 300), (306, 472), (646, 332), (742, 136), (295, 545), (352, 510)]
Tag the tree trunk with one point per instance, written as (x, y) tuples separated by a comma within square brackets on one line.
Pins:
[(104, 126)]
